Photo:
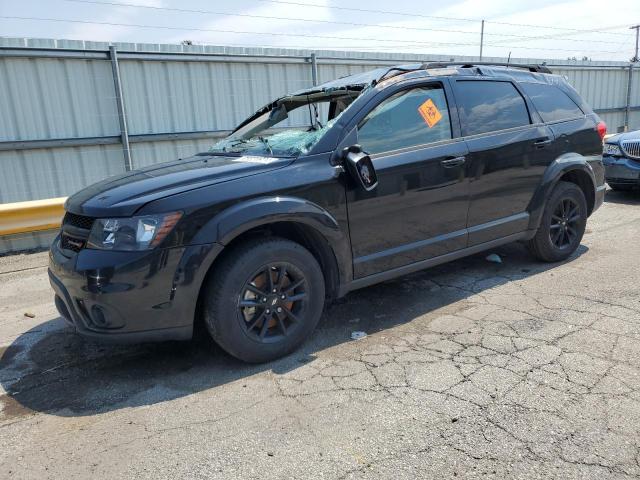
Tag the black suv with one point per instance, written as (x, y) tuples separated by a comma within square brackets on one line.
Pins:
[(327, 190)]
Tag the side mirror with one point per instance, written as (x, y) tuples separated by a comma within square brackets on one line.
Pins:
[(360, 167)]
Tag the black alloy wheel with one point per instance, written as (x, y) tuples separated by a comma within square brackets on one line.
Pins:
[(565, 223), (562, 225), (271, 302), (263, 298)]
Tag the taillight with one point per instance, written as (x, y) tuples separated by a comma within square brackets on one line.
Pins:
[(602, 129)]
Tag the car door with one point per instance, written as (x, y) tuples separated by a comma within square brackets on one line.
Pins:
[(419, 209), (509, 150)]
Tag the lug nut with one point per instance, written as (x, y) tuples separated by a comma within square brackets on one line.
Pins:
[(268, 311), (279, 310), (282, 297), (274, 290)]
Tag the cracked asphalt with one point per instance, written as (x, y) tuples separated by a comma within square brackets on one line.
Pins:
[(469, 370)]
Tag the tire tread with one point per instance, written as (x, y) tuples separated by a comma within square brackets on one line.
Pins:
[(539, 246), (226, 271)]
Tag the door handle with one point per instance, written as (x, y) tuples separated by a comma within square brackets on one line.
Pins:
[(452, 162), (542, 143)]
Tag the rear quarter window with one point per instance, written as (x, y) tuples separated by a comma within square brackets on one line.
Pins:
[(487, 106), (552, 104)]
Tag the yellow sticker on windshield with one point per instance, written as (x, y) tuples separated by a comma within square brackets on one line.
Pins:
[(430, 113)]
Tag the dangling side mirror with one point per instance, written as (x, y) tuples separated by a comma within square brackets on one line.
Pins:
[(360, 167)]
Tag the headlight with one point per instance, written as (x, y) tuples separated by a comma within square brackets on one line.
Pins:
[(134, 233), (612, 149)]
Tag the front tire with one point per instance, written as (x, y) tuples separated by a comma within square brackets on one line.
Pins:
[(264, 299), (563, 224)]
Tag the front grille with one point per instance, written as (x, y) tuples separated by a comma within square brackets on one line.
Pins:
[(75, 231), (631, 148), (79, 221), (70, 243)]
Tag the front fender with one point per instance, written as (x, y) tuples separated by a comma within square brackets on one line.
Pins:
[(552, 175), (244, 216)]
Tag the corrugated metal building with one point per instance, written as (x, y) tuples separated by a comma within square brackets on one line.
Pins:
[(60, 128)]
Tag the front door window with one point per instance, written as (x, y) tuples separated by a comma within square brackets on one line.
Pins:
[(409, 118)]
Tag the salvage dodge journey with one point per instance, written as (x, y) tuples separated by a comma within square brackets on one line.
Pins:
[(327, 190)]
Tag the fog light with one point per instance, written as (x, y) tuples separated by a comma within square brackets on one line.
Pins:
[(98, 317)]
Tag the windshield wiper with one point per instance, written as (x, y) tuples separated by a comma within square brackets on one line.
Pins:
[(236, 142), (265, 142), (214, 153)]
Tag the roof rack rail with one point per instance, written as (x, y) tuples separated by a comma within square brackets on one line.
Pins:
[(399, 70), (537, 68)]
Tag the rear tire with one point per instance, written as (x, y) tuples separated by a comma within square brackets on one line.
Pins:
[(264, 299), (562, 226)]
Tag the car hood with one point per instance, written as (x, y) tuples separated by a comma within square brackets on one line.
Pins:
[(617, 138), (123, 195)]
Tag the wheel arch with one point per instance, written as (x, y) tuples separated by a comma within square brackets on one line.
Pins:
[(295, 219), (586, 184), (570, 167)]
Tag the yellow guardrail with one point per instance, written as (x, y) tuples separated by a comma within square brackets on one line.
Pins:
[(32, 216)]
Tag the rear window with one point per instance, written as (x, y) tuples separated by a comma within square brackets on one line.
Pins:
[(487, 106), (552, 103)]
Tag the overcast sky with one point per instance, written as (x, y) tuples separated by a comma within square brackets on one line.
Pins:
[(526, 28)]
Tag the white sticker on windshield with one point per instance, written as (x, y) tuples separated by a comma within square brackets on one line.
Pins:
[(255, 159)]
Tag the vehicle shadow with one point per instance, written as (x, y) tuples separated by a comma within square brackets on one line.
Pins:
[(51, 369), (631, 197)]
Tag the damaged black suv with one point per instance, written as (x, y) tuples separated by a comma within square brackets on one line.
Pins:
[(325, 191)]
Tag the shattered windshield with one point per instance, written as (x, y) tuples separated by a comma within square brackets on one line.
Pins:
[(290, 128)]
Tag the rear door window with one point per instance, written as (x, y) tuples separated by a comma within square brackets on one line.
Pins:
[(487, 106), (406, 119), (552, 103)]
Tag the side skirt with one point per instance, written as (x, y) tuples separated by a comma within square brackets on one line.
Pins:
[(431, 262)]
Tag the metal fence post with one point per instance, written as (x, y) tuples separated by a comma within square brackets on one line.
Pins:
[(124, 132), (314, 69), (481, 38), (627, 110)]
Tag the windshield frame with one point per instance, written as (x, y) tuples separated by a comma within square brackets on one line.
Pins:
[(279, 110)]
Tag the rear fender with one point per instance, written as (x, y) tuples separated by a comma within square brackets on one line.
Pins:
[(559, 167)]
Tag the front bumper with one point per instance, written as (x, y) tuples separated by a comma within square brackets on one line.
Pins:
[(130, 296), (621, 170)]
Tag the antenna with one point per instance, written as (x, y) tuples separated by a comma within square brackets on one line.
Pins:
[(509, 59)]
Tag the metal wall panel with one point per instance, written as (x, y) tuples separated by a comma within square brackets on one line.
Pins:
[(614, 121), (202, 96), (55, 172), (605, 88), (56, 98), (148, 153), (601, 89), (634, 120), (330, 72)]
